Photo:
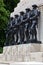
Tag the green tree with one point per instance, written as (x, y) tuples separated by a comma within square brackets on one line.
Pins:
[(10, 4), (4, 15)]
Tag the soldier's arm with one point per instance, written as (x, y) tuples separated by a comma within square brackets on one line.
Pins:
[(33, 17), (36, 15), (26, 20)]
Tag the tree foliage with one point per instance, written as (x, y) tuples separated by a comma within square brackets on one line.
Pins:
[(10, 4)]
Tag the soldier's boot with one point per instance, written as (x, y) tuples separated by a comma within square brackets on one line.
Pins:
[(13, 40), (17, 38), (27, 36), (36, 36), (32, 36), (21, 37)]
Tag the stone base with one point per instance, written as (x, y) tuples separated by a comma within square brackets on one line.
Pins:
[(25, 42), (33, 41), (22, 53)]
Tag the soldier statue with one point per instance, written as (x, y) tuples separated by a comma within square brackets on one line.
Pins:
[(7, 31), (28, 23), (35, 13), (15, 28), (22, 27)]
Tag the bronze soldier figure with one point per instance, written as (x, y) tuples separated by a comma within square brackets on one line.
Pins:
[(22, 27), (28, 24), (7, 31), (34, 19), (16, 27)]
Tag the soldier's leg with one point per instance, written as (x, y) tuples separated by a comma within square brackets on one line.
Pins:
[(35, 34), (9, 38), (13, 39), (32, 33), (7, 42), (16, 36), (27, 33), (20, 34)]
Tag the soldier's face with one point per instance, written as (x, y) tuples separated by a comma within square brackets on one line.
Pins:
[(34, 8), (26, 11)]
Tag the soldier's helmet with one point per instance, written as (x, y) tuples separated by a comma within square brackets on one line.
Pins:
[(28, 9), (16, 16), (22, 13), (34, 6)]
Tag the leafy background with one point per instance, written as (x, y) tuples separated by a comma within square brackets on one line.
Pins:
[(6, 7)]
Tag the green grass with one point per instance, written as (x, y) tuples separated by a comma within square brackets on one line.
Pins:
[(1, 50)]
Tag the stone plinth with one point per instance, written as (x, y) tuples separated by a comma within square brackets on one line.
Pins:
[(22, 53)]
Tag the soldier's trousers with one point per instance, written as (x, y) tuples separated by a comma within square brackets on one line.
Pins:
[(22, 34), (15, 35), (27, 32), (33, 29), (34, 34)]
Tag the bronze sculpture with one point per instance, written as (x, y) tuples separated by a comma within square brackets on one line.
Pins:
[(23, 26)]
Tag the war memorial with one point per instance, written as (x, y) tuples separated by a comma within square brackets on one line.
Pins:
[(23, 27), (24, 33)]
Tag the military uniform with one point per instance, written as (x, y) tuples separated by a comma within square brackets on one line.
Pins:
[(16, 28), (22, 27), (27, 25), (7, 32), (34, 19)]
